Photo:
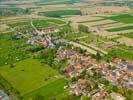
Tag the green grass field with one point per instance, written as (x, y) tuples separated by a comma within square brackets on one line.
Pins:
[(53, 89), (55, 2), (120, 29), (123, 18), (121, 53), (28, 75), (12, 49), (59, 13)]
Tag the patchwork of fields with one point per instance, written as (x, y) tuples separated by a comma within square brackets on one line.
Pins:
[(105, 26)]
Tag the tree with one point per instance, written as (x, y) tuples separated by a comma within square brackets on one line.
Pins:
[(83, 28), (12, 65), (47, 56), (98, 56)]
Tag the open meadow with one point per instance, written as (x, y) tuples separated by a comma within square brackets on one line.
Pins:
[(12, 50), (34, 77)]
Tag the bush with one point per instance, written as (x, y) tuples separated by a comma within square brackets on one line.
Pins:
[(12, 65)]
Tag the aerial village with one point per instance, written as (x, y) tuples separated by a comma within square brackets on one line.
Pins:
[(87, 76), (94, 44)]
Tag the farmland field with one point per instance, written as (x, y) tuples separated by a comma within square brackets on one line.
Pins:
[(54, 88), (59, 13), (90, 21), (120, 29), (54, 2), (125, 40), (121, 53), (30, 73), (124, 18)]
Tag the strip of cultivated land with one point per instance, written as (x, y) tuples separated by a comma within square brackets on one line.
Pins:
[(83, 47), (111, 25), (102, 25), (130, 35), (123, 18), (83, 18), (120, 28), (98, 22), (59, 13)]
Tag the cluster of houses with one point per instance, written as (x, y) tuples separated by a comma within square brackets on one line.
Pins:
[(123, 74), (43, 37), (81, 70)]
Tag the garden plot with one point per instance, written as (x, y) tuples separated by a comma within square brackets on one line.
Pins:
[(125, 40)]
